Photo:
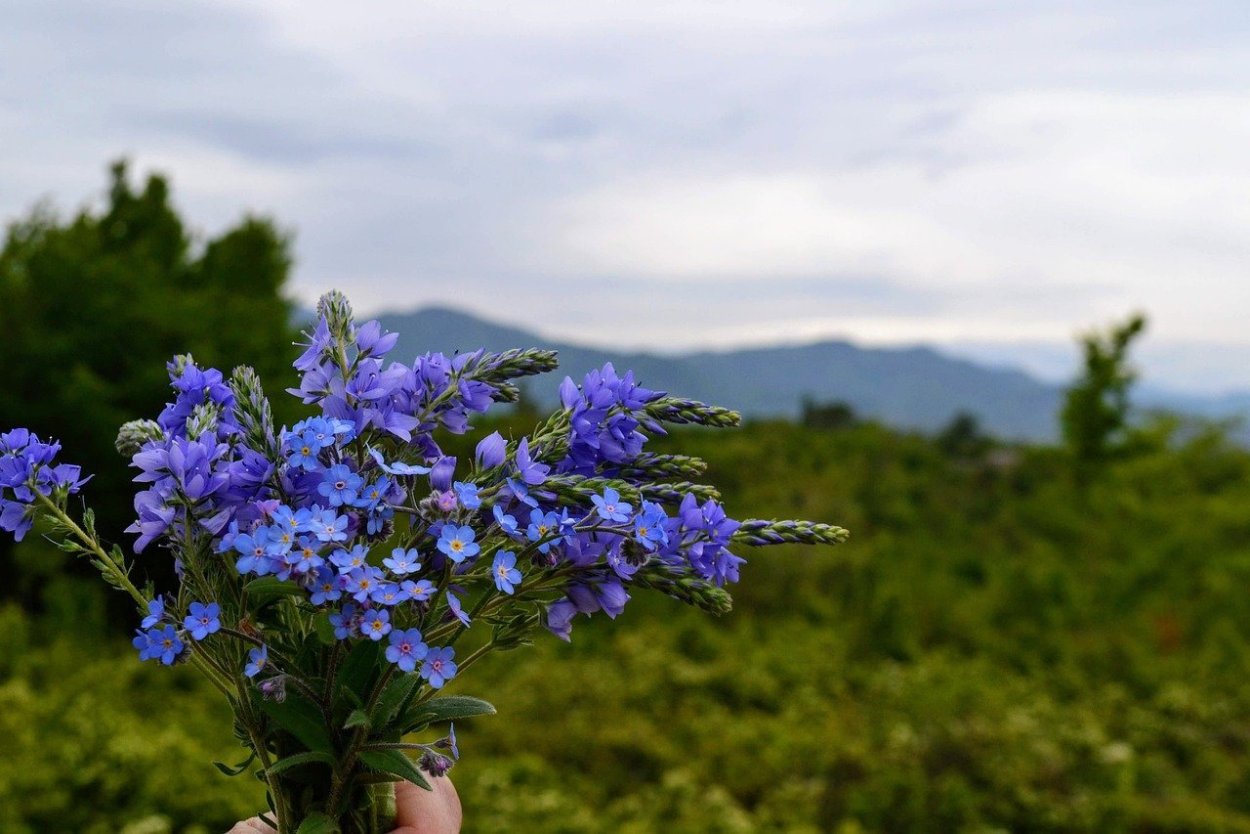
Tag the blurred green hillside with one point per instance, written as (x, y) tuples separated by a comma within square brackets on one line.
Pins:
[(1017, 638), (999, 649)]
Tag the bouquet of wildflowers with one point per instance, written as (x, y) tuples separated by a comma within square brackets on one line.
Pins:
[(336, 576)]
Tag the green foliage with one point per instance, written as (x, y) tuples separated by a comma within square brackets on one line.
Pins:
[(998, 648), (1094, 417), (93, 306)]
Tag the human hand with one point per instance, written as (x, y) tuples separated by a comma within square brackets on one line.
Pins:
[(417, 811)]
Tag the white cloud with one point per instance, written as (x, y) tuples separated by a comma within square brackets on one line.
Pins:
[(759, 168)]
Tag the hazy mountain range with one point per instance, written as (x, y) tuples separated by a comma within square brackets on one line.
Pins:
[(914, 387)]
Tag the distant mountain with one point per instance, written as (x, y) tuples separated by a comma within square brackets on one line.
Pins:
[(916, 387)]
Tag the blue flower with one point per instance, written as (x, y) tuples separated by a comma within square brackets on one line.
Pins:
[(506, 522), (347, 560), (420, 591), (361, 582), (406, 649), (402, 562), (156, 613), (504, 571), (611, 507), (341, 485), (203, 620), (258, 658), (389, 594), (398, 468), (543, 526), (376, 624), (467, 493), (159, 644), (439, 667), (649, 526), (328, 527), (449, 743), (457, 543), (304, 450), (456, 609), (325, 587), (346, 622)]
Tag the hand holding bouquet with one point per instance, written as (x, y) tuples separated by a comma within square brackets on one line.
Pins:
[(335, 576)]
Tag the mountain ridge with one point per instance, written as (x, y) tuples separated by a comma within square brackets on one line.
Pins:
[(913, 387)]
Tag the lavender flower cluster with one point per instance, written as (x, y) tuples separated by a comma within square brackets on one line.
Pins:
[(354, 528)]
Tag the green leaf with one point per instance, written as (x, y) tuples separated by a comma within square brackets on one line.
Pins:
[(358, 671), (392, 698), (451, 708), (358, 718), (261, 592), (235, 770), (302, 719), (324, 628), (318, 823), (311, 757), (394, 762)]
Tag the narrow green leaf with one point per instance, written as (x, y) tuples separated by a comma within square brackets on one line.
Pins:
[(318, 823), (451, 708), (392, 698), (394, 762), (358, 718), (261, 592), (235, 770), (302, 719), (298, 759), (358, 670)]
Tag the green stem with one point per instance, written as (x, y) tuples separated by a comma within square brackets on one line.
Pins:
[(123, 582)]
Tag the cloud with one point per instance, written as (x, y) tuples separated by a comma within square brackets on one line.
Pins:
[(734, 171)]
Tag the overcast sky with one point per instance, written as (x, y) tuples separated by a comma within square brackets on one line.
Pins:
[(984, 175)]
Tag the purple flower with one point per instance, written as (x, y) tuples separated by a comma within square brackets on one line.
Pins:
[(457, 543), (490, 451), (203, 620), (159, 644), (258, 658), (507, 577), (560, 618), (439, 667), (376, 624), (406, 649), (531, 472)]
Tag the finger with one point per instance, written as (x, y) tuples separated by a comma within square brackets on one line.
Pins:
[(252, 826), (436, 811)]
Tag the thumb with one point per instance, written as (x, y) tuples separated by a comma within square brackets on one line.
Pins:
[(419, 811)]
